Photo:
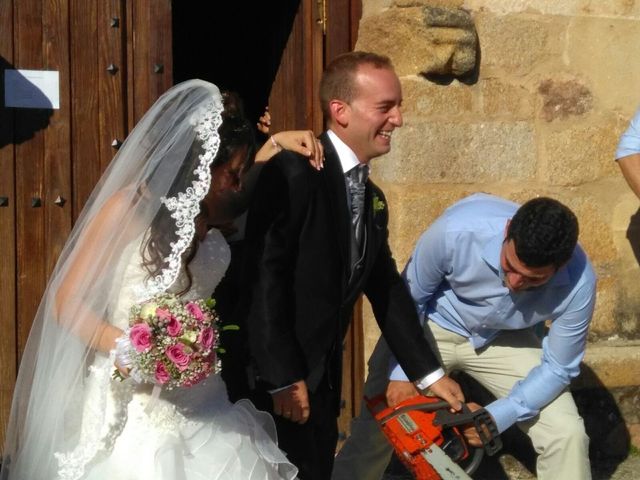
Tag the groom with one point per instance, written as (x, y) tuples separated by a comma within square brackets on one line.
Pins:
[(315, 241)]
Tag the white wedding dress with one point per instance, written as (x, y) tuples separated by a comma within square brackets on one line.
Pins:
[(187, 433)]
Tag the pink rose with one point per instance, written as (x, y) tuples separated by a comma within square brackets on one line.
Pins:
[(178, 356), (162, 376), (163, 314), (206, 337), (174, 327), (195, 311), (140, 336)]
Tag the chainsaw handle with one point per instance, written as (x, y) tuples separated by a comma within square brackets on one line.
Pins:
[(480, 418), (408, 408)]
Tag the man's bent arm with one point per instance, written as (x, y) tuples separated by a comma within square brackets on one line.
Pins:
[(562, 352), (396, 315)]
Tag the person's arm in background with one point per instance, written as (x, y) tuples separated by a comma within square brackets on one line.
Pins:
[(628, 154)]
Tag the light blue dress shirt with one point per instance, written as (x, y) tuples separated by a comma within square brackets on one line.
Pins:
[(630, 140), (454, 279)]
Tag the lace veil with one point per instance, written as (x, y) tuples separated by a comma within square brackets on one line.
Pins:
[(159, 176)]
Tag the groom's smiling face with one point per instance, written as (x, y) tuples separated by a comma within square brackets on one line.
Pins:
[(373, 113)]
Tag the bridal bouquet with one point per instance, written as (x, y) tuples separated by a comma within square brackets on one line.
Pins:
[(170, 342)]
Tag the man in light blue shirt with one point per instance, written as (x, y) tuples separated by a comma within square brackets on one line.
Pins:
[(481, 275)]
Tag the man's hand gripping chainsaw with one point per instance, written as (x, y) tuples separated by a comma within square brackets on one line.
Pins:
[(424, 436)]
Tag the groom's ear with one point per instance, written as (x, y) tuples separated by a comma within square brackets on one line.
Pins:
[(340, 112)]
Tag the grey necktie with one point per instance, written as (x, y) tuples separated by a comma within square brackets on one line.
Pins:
[(357, 177)]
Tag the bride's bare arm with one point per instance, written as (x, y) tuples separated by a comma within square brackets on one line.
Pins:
[(303, 142), (75, 312)]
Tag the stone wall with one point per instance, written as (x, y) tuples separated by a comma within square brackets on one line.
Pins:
[(519, 98)]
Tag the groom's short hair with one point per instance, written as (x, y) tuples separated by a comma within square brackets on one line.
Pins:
[(338, 78)]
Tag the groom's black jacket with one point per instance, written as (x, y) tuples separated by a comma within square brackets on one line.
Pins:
[(298, 289)]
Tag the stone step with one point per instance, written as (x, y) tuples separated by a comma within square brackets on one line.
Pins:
[(610, 363)]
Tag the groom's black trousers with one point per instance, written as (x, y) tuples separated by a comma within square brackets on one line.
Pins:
[(311, 446)]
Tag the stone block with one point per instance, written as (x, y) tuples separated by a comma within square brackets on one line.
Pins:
[(506, 100), (432, 3), (601, 49), (614, 364), (564, 98), (443, 152), (604, 323), (518, 44), (627, 314), (580, 153), (374, 7), (422, 98), (419, 40), (595, 235), (412, 209), (624, 8), (401, 35), (453, 28), (447, 17)]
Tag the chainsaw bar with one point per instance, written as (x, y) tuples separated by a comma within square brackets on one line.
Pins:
[(443, 465)]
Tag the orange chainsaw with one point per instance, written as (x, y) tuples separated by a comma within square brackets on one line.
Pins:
[(424, 436)]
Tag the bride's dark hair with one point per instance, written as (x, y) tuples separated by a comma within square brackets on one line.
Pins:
[(235, 133)]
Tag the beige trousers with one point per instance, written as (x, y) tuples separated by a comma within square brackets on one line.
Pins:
[(557, 433)]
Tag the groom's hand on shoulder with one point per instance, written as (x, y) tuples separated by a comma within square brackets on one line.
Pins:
[(292, 402)]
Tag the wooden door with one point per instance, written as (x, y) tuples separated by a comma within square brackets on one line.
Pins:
[(114, 59), (111, 68), (321, 30), (35, 171), (285, 46)]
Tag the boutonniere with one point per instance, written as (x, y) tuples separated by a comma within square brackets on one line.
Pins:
[(378, 205)]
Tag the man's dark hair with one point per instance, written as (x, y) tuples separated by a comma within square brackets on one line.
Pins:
[(338, 78), (544, 232)]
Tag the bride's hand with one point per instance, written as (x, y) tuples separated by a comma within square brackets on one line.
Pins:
[(303, 142), (124, 371), (119, 346)]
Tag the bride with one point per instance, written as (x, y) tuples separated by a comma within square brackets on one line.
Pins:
[(144, 231)]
